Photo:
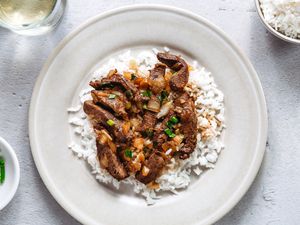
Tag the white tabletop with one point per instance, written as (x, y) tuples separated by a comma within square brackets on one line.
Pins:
[(273, 199)]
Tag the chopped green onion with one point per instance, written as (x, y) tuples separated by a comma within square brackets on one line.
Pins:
[(110, 122), (133, 76), (169, 124), (128, 153), (112, 96), (169, 133), (174, 120), (163, 95), (2, 170), (128, 94), (147, 93)]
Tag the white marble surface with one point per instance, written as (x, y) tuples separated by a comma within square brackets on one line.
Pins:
[(273, 199)]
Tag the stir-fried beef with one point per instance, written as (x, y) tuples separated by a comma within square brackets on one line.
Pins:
[(135, 116), (109, 160), (154, 164), (111, 101), (106, 119), (157, 79), (185, 108), (181, 76)]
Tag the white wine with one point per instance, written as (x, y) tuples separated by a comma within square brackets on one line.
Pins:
[(24, 13)]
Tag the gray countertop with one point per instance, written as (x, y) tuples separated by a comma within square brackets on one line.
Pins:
[(274, 197)]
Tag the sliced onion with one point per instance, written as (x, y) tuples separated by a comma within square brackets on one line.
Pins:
[(104, 132), (145, 171), (154, 105), (158, 85), (138, 143), (135, 122), (164, 110)]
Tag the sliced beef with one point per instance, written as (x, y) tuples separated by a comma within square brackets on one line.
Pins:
[(157, 79), (109, 160), (149, 121), (114, 103), (121, 81), (185, 109), (155, 164), (181, 77), (101, 116)]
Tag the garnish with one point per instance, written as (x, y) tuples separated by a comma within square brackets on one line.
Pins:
[(2, 170), (147, 93), (163, 95), (112, 96), (172, 121), (169, 124), (170, 133), (128, 153), (110, 122)]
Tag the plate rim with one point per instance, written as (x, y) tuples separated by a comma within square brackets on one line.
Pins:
[(237, 195)]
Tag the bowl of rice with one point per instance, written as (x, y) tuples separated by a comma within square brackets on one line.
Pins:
[(281, 18)]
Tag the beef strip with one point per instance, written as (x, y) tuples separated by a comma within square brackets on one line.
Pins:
[(115, 104), (181, 77), (157, 79), (185, 109), (155, 164), (119, 80), (109, 160), (149, 121), (99, 115)]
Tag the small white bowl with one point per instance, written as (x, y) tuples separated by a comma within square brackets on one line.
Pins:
[(12, 174), (271, 29)]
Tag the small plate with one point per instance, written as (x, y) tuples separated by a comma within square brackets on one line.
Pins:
[(140, 27), (12, 174)]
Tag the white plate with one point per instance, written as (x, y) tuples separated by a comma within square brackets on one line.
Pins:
[(66, 71)]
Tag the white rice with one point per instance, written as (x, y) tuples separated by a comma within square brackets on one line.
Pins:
[(209, 104), (283, 16)]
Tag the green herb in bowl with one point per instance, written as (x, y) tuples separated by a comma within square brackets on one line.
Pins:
[(2, 170)]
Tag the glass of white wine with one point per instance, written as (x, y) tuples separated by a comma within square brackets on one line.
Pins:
[(31, 17)]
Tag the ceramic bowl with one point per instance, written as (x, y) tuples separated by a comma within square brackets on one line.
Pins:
[(12, 174), (271, 29)]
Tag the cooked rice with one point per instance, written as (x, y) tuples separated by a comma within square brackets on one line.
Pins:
[(283, 16), (210, 111)]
